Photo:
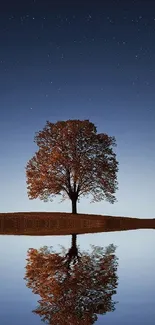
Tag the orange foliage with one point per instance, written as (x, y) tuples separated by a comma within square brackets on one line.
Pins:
[(72, 160), (72, 295)]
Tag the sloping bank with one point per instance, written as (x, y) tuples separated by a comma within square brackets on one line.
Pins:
[(58, 223)]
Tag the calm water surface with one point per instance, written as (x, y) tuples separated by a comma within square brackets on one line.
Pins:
[(129, 292)]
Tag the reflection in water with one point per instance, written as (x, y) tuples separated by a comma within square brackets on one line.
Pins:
[(74, 287)]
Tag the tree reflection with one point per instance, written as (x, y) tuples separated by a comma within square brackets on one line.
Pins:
[(74, 287)]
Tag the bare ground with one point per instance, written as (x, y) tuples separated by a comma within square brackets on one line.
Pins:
[(61, 223)]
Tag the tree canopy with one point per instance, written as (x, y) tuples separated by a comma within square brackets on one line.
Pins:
[(74, 292), (73, 160)]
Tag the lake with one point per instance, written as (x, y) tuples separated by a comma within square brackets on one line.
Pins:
[(92, 278)]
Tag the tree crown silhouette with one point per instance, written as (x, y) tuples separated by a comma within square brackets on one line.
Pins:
[(73, 160)]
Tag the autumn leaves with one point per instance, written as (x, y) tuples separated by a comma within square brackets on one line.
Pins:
[(72, 161)]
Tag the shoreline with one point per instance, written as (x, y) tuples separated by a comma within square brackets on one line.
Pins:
[(63, 223), (66, 214)]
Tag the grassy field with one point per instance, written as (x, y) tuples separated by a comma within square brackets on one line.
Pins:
[(61, 223)]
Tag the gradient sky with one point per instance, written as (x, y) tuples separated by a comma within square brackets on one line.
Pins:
[(64, 61)]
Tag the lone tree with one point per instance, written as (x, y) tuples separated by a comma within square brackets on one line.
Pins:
[(72, 160)]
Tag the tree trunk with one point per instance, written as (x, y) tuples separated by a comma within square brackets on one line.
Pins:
[(74, 207), (74, 241), (72, 255)]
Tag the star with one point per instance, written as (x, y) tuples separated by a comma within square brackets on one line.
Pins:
[(89, 17)]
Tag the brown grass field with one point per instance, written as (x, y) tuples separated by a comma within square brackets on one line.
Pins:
[(61, 223)]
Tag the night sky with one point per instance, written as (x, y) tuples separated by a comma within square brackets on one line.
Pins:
[(79, 61)]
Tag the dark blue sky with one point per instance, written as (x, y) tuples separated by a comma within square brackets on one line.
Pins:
[(62, 61)]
